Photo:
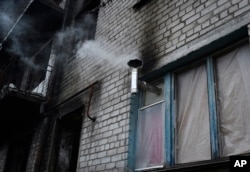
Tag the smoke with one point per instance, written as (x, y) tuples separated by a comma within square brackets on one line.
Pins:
[(6, 23), (105, 52), (18, 34), (22, 42), (67, 39), (71, 41), (79, 40)]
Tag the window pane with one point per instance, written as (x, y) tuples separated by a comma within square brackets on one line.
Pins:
[(192, 120), (149, 145), (233, 73), (151, 97)]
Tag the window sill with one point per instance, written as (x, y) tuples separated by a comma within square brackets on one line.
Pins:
[(200, 166), (150, 168)]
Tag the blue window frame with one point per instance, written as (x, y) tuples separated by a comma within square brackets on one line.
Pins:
[(218, 144)]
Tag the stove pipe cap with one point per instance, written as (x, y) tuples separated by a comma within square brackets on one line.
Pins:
[(135, 63)]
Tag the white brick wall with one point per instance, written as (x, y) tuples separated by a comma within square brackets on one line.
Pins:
[(162, 31)]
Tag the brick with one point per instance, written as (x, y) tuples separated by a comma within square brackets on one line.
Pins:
[(113, 126), (205, 24), (96, 161), (100, 167), (112, 139), (208, 9), (221, 8), (188, 15), (243, 3), (122, 136), (233, 9), (107, 134), (117, 131), (242, 10), (177, 27), (192, 37), (221, 2), (197, 29), (223, 14), (199, 8), (116, 158), (121, 150), (83, 164), (235, 1), (105, 160), (214, 19), (192, 19), (111, 152), (114, 113), (110, 165)]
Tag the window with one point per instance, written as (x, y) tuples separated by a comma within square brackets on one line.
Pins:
[(202, 115), (233, 87), (67, 141), (150, 132), (192, 116)]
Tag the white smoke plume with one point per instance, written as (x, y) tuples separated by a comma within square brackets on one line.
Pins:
[(105, 51)]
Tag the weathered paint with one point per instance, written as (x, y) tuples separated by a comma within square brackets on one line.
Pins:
[(132, 130), (168, 118), (173, 121), (212, 109)]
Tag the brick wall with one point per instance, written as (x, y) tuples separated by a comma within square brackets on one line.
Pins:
[(162, 32)]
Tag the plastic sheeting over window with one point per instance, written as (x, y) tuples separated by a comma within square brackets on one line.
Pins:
[(192, 118), (150, 137), (234, 101)]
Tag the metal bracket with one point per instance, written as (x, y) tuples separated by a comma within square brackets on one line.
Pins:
[(149, 87)]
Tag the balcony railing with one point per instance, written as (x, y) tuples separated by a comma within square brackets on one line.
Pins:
[(22, 79)]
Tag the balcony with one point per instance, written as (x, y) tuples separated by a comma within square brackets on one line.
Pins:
[(25, 62)]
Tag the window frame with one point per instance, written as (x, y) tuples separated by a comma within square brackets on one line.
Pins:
[(142, 106), (196, 64), (217, 55), (169, 98), (164, 158)]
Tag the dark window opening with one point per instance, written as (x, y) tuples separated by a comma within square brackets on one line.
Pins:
[(68, 142), (18, 154)]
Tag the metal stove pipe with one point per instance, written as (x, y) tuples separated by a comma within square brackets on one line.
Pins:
[(135, 64)]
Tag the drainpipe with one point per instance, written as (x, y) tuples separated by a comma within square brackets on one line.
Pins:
[(89, 103)]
